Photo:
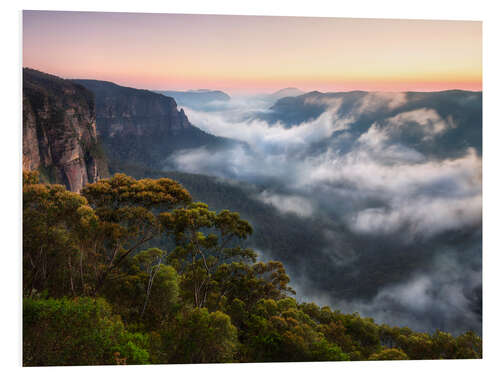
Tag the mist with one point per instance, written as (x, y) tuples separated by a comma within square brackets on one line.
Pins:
[(394, 183)]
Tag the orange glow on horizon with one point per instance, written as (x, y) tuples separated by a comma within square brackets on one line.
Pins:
[(245, 54), (249, 86)]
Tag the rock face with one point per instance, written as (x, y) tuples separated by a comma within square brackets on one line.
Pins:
[(59, 131), (142, 127)]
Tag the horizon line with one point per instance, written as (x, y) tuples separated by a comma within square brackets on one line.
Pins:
[(242, 91)]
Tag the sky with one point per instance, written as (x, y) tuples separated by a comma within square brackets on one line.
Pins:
[(255, 54)]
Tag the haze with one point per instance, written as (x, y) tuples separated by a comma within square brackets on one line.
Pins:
[(250, 54)]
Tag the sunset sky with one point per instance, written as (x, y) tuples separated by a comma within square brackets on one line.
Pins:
[(250, 54)]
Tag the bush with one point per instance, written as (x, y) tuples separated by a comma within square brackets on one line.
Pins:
[(61, 332), (389, 355), (198, 336)]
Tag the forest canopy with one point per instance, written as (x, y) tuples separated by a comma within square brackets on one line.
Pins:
[(134, 272)]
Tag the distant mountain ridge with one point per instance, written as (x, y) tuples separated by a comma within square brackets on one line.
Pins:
[(295, 109), (196, 98), (461, 110), (143, 127), (59, 131), (286, 92), (140, 129)]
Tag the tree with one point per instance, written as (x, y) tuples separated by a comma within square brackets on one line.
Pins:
[(249, 283), (129, 211), (31, 177), (389, 355), (54, 223), (151, 261), (144, 291), (444, 345), (469, 345), (278, 331), (61, 332), (364, 333), (205, 241), (198, 336), (417, 345), (206, 300)]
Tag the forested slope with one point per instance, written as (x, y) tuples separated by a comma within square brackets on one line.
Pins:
[(95, 292), (141, 126)]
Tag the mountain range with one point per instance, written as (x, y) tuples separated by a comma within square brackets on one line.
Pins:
[(143, 127), (196, 98), (286, 92), (316, 173)]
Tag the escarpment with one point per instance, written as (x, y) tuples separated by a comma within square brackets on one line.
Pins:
[(60, 138), (142, 127)]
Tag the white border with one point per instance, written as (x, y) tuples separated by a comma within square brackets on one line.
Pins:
[(11, 140)]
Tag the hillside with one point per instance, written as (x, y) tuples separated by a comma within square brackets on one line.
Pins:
[(464, 107), (288, 237), (143, 127), (196, 98), (206, 300), (286, 92)]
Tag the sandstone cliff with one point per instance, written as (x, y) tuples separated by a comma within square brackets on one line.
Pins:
[(59, 131), (142, 127)]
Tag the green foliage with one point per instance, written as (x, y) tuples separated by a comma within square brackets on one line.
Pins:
[(48, 175), (470, 345), (124, 191), (129, 212), (206, 241), (248, 283), (440, 345), (200, 298), (146, 291), (59, 332), (55, 221), (198, 336), (31, 177), (364, 333), (278, 331), (389, 355)]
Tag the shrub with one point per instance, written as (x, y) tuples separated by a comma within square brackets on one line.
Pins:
[(59, 332)]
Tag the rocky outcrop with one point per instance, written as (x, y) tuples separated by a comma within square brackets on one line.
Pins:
[(59, 131), (142, 127)]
